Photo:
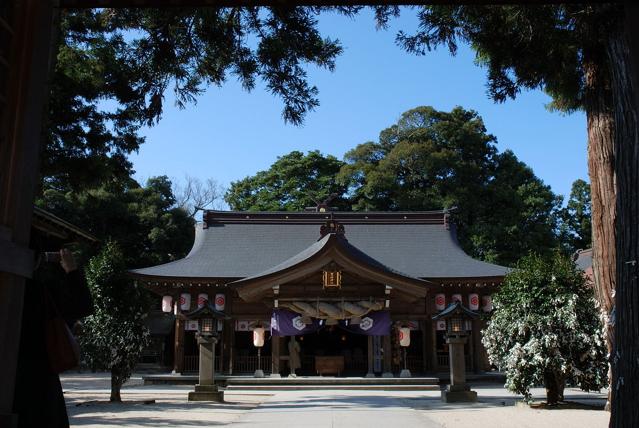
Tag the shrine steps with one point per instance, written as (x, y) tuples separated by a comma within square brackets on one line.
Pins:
[(333, 383)]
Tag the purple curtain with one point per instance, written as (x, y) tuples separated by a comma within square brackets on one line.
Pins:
[(376, 323), (289, 323)]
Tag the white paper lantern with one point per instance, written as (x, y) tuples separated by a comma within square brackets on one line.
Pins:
[(202, 298), (473, 301), (440, 301), (167, 304), (220, 302), (258, 337), (441, 325), (486, 303), (456, 298), (404, 336), (185, 302)]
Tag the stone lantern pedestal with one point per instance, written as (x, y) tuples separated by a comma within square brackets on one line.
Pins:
[(206, 390), (456, 316), (457, 391)]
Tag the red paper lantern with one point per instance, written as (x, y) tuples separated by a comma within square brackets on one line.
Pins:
[(456, 298), (202, 298), (220, 302), (185, 301), (404, 336), (486, 303), (440, 301), (473, 301)]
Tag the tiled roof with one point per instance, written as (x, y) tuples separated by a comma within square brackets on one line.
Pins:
[(239, 245)]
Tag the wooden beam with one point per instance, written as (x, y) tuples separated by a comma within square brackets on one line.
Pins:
[(31, 25), (287, 3)]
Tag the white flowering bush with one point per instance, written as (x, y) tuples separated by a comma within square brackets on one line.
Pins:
[(114, 337), (545, 329)]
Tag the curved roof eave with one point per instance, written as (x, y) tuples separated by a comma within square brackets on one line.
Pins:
[(331, 248)]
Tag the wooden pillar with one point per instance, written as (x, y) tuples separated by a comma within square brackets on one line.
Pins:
[(433, 347), (425, 326), (28, 52), (371, 361), (388, 356), (477, 347), (231, 347), (276, 342), (178, 353), (227, 346)]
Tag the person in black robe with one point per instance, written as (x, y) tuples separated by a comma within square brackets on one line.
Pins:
[(38, 399)]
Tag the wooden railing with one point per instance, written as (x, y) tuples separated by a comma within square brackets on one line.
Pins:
[(415, 363), (248, 364)]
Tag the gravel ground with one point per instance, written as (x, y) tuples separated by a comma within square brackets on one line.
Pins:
[(87, 405)]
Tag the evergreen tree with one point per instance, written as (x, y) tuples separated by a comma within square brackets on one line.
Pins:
[(432, 160), (576, 218), (295, 181), (115, 335), (546, 330)]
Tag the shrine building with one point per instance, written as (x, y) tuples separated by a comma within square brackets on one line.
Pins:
[(343, 283)]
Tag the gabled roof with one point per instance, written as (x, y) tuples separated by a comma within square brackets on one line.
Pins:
[(331, 248), (235, 245), (454, 309)]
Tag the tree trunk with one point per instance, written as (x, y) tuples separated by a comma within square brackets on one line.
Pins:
[(623, 51), (601, 157), (116, 385), (554, 387)]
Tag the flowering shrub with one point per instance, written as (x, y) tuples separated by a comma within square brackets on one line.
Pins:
[(545, 329)]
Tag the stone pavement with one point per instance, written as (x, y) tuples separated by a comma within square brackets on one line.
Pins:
[(310, 409)]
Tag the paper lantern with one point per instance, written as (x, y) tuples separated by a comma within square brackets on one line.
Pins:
[(440, 301), (167, 304), (220, 302), (202, 298), (258, 337), (456, 298), (441, 325), (486, 303), (404, 336), (473, 301), (185, 301)]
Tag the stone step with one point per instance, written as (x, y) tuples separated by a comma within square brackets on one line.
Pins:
[(370, 387), (330, 381)]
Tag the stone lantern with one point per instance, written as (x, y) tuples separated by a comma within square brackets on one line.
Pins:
[(207, 317), (456, 316)]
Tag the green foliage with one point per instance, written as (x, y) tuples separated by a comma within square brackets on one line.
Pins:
[(115, 66), (295, 181), (522, 46), (144, 221), (545, 323), (114, 336), (576, 226), (432, 160)]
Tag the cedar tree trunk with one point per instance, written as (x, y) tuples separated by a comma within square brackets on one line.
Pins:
[(601, 157), (623, 51)]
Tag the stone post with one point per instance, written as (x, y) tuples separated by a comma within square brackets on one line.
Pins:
[(457, 391), (206, 390)]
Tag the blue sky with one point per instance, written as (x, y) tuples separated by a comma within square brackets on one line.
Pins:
[(230, 133)]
